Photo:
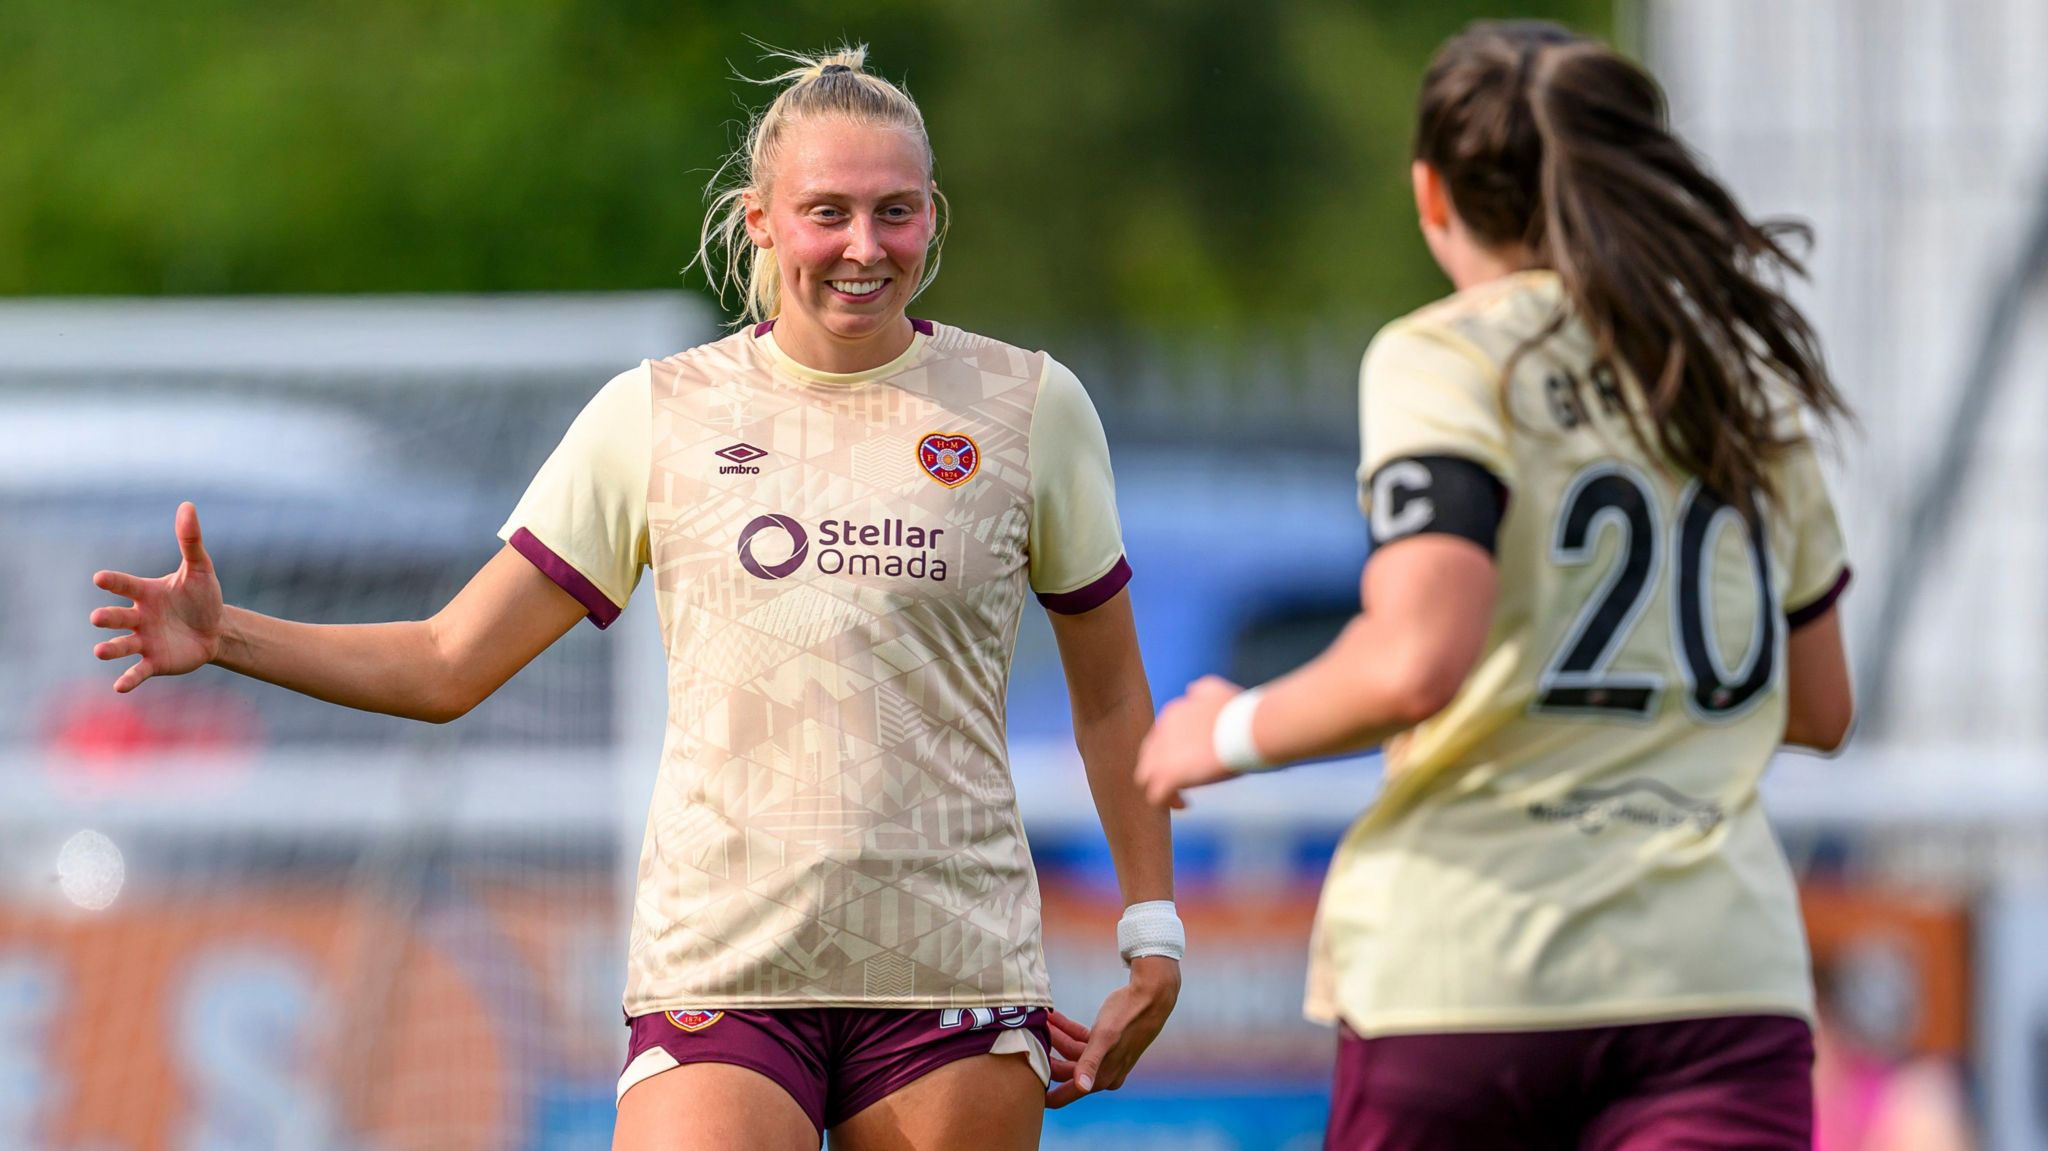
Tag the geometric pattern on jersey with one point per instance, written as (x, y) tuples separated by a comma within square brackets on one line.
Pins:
[(833, 820), (1575, 839)]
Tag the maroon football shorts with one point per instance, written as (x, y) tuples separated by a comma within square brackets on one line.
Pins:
[(835, 1061), (1737, 1082)]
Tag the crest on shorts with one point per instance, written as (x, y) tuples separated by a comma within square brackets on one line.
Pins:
[(949, 458), (694, 1020)]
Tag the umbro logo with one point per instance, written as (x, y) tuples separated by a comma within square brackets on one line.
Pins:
[(742, 456)]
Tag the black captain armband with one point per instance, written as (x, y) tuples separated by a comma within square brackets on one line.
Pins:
[(1450, 495)]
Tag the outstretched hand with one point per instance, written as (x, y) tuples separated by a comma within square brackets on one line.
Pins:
[(173, 622), (1099, 1058)]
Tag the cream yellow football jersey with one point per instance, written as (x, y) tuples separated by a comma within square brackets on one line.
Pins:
[(839, 564), (1576, 838)]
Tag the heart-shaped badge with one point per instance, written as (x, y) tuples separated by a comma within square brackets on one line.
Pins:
[(949, 458)]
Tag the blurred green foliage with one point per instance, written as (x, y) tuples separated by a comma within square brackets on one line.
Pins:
[(1175, 165)]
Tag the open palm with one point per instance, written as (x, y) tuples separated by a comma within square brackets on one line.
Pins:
[(173, 622)]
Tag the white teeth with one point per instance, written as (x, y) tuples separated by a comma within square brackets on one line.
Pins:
[(857, 287)]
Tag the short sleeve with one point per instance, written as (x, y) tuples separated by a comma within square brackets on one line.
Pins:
[(1810, 536), (1077, 546), (1424, 392), (583, 519)]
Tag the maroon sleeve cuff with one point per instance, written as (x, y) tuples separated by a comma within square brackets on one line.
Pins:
[(1799, 617), (602, 610), (1092, 596)]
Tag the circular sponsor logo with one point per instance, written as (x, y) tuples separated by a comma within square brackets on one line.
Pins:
[(799, 546)]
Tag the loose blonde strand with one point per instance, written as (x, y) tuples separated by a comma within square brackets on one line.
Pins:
[(943, 208)]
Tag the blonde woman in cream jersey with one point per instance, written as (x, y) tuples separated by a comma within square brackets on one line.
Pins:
[(844, 509), (1602, 594)]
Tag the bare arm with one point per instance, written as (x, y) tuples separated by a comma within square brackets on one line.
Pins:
[(1820, 704), (1429, 604), (434, 669), (1112, 711)]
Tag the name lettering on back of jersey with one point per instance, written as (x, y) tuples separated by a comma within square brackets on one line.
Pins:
[(742, 456), (949, 457), (1567, 399), (893, 548)]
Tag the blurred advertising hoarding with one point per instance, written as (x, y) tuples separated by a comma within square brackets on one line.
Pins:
[(473, 1005), (274, 1015)]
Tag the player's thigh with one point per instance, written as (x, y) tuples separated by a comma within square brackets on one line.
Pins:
[(982, 1103), (711, 1107)]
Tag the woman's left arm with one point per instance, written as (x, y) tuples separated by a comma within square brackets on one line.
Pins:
[(1112, 711)]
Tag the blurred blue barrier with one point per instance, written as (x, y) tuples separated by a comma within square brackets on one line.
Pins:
[(1195, 1116)]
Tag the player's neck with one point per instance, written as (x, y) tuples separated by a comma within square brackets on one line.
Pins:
[(1473, 265), (822, 350)]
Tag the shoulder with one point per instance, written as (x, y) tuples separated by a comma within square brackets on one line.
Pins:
[(733, 343), (1429, 388), (1500, 301), (1488, 323), (1792, 420), (624, 395), (1061, 400), (987, 354), (1429, 343)]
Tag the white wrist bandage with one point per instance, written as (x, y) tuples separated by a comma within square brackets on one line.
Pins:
[(1150, 928), (1234, 746)]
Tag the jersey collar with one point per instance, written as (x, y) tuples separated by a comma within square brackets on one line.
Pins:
[(764, 338)]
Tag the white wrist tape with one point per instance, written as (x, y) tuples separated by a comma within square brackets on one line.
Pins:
[(1234, 746), (1150, 928)]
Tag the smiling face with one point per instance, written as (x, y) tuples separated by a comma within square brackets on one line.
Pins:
[(847, 211)]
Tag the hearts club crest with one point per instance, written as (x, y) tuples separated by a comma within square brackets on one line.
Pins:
[(948, 458), (694, 1020)]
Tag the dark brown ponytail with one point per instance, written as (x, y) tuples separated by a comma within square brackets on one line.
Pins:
[(1556, 143)]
